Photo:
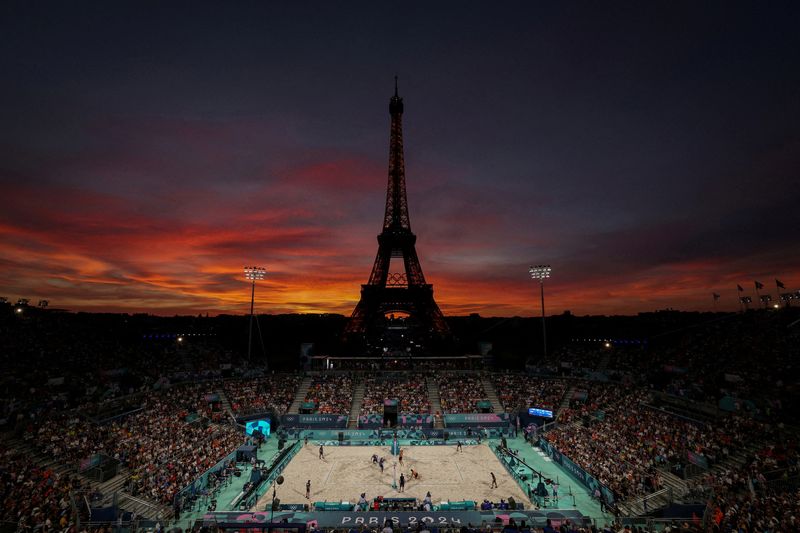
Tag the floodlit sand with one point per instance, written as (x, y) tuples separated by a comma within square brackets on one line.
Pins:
[(347, 471)]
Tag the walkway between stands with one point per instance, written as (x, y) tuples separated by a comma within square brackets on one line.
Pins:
[(228, 493), (569, 488)]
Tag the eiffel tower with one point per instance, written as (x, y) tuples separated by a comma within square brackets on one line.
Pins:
[(404, 293)]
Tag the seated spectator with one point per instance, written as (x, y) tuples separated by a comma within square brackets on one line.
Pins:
[(460, 392)]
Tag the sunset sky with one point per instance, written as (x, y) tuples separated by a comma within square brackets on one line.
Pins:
[(650, 152)]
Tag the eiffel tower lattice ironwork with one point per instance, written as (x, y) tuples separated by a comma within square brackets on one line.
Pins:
[(404, 292)]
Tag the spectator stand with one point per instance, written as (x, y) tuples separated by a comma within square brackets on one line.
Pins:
[(460, 392)]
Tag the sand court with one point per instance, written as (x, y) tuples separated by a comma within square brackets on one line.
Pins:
[(347, 471)]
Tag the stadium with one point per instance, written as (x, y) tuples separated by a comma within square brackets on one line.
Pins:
[(605, 199), (177, 430)]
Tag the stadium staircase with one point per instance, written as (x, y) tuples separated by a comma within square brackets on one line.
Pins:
[(491, 394), (645, 505), (143, 508), (673, 489), (671, 481), (38, 457), (226, 404), (565, 400), (436, 405), (735, 460), (572, 388), (300, 396), (355, 408)]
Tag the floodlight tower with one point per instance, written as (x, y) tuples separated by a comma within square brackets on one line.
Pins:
[(252, 274), (541, 272)]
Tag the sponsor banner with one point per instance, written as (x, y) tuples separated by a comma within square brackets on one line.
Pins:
[(315, 421), (384, 442), (697, 459), (350, 518), (360, 436), (376, 519), (576, 471), (409, 419), (434, 518), (729, 403), (375, 421), (90, 462), (477, 419), (580, 395)]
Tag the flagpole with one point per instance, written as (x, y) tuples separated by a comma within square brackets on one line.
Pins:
[(739, 291), (758, 294)]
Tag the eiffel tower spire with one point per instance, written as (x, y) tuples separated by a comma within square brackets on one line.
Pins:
[(396, 202), (397, 292)]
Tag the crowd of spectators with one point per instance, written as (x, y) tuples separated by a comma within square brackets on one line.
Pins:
[(459, 392), (748, 359), (590, 397), (583, 355), (627, 441), (762, 494), (625, 467), (34, 498), (331, 393), (165, 445), (273, 391), (89, 359), (751, 358), (518, 391), (168, 435), (410, 390)]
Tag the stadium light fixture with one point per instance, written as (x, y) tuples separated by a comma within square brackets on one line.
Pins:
[(252, 274), (541, 272)]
